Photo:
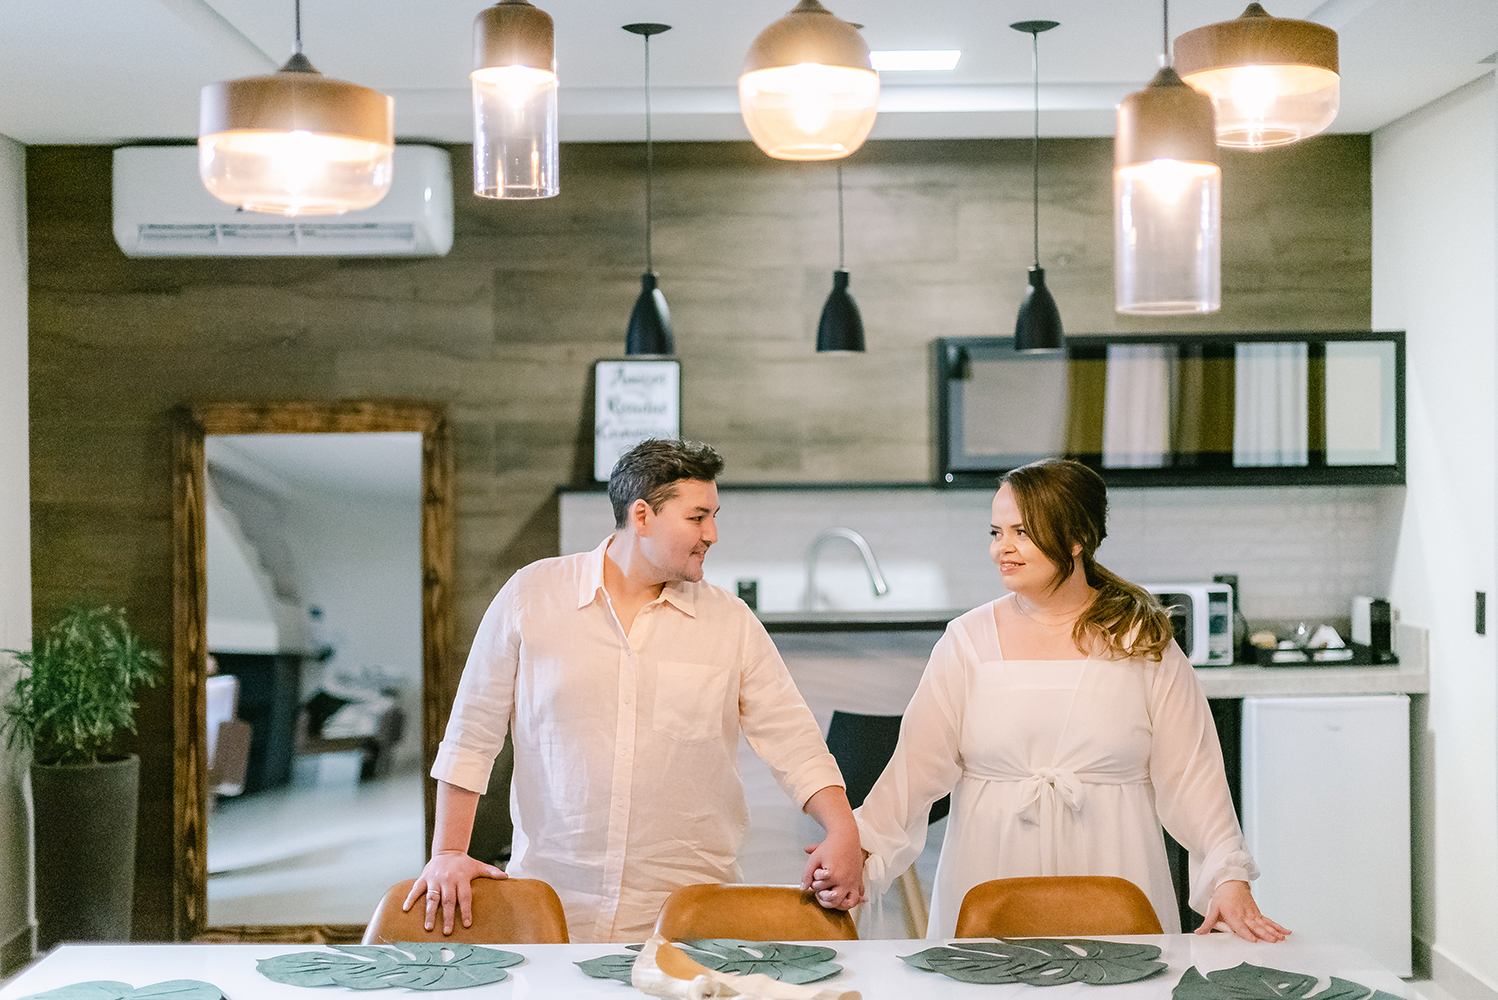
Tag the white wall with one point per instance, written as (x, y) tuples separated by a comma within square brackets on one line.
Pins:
[(1300, 552), (1435, 177), (15, 533)]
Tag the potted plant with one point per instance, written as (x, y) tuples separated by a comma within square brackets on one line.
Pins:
[(74, 695)]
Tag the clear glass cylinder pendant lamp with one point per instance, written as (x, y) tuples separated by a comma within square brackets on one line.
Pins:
[(515, 142), (295, 142), (1167, 201)]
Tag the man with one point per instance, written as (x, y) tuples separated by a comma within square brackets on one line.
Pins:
[(624, 681)]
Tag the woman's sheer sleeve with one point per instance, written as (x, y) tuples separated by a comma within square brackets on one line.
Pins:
[(925, 766), (1191, 788)]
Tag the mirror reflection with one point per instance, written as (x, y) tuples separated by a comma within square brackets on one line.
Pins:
[(314, 694)]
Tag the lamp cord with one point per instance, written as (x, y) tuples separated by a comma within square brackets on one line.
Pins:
[(649, 159), (1035, 144), (1165, 30), (840, 266), (298, 27)]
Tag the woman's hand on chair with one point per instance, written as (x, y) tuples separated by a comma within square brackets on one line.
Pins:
[(1233, 909), (445, 882)]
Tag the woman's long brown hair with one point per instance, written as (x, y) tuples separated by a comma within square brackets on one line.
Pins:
[(1064, 503)]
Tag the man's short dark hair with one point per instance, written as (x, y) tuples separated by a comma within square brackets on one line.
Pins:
[(651, 469)]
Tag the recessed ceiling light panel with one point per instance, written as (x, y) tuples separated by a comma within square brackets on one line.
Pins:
[(902, 60)]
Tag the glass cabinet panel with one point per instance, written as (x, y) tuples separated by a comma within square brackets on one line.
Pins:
[(1177, 409)]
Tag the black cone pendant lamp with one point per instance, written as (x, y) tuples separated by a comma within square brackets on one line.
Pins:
[(1038, 327), (841, 328), (650, 322)]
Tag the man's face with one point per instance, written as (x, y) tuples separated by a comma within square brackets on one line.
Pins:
[(676, 538)]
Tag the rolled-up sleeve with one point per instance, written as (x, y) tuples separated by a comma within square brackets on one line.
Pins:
[(486, 697), (778, 725)]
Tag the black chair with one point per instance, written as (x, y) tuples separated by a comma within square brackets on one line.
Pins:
[(862, 746)]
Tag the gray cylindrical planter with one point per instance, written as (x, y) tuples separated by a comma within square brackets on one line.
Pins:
[(84, 834)]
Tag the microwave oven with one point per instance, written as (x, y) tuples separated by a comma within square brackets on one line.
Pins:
[(1202, 616)]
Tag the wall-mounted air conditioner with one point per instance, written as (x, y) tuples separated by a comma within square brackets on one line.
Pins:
[(161, 209)]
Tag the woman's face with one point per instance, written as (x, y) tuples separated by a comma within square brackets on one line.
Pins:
[(1025, 569)]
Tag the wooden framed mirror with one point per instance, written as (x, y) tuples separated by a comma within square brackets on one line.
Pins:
[(192, 425)]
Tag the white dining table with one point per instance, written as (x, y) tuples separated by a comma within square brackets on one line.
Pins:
[(871, 967)]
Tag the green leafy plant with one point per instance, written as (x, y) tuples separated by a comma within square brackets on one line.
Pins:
[(1042, 962), (77, 686)]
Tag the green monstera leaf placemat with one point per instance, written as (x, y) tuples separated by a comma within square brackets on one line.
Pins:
[(1042, 962), (789, 963), (99, 989), (617, 967), (1254, 982), (416, 966)]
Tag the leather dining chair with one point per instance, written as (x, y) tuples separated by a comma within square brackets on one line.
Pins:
[(751, 913), (505, 911), (1056, 906)]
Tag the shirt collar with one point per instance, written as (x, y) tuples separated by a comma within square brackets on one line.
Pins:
[(680, 594), (590, 582)]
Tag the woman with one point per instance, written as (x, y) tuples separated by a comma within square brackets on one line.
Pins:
[(1068, 726)]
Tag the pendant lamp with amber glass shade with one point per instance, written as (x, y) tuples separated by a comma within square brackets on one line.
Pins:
[(296, 142), (1272, 80), (809, 90), (1167, 199)]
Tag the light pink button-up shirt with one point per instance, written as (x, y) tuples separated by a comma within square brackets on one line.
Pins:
[(626, 747)]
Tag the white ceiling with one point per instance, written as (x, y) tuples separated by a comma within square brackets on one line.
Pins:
[(104, 71)]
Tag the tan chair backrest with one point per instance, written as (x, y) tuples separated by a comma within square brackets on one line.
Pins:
[(505, 911), (1056, 906), (751, 913)]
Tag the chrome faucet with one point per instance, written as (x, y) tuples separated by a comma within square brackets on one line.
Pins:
[(869, 562)]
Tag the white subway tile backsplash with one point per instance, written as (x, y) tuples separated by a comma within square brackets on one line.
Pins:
[(1299, 552)]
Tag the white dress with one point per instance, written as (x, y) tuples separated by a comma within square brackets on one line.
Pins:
[(1056, 767)]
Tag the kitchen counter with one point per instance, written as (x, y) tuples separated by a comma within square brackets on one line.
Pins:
[(857, 621), (857, 647)]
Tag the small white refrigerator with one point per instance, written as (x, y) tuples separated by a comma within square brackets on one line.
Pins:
[(1326, 812)]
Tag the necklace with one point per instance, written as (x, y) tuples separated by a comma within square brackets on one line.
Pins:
[(1067, 618)]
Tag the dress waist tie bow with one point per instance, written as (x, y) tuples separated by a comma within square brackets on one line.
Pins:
[(1043, 797)]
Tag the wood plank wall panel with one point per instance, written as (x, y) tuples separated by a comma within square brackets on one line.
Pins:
[(503, 331)]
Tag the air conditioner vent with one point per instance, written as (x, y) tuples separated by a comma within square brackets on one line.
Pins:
[(161, 209)]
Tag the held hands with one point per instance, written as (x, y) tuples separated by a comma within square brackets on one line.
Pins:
[(1233, 909), (445, 883), (834, 870)]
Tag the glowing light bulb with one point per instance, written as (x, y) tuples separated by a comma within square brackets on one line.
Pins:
[(1252, 91), (809, 111)]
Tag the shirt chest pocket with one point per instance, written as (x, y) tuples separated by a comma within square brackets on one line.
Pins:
[(690, 700)]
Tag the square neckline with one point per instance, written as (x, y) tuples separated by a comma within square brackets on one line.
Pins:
[(998, 643)]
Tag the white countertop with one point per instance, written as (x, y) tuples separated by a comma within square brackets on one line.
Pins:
[(879, 671), (871, 967)]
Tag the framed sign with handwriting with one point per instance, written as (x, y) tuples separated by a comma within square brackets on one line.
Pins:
[(633, 401)]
